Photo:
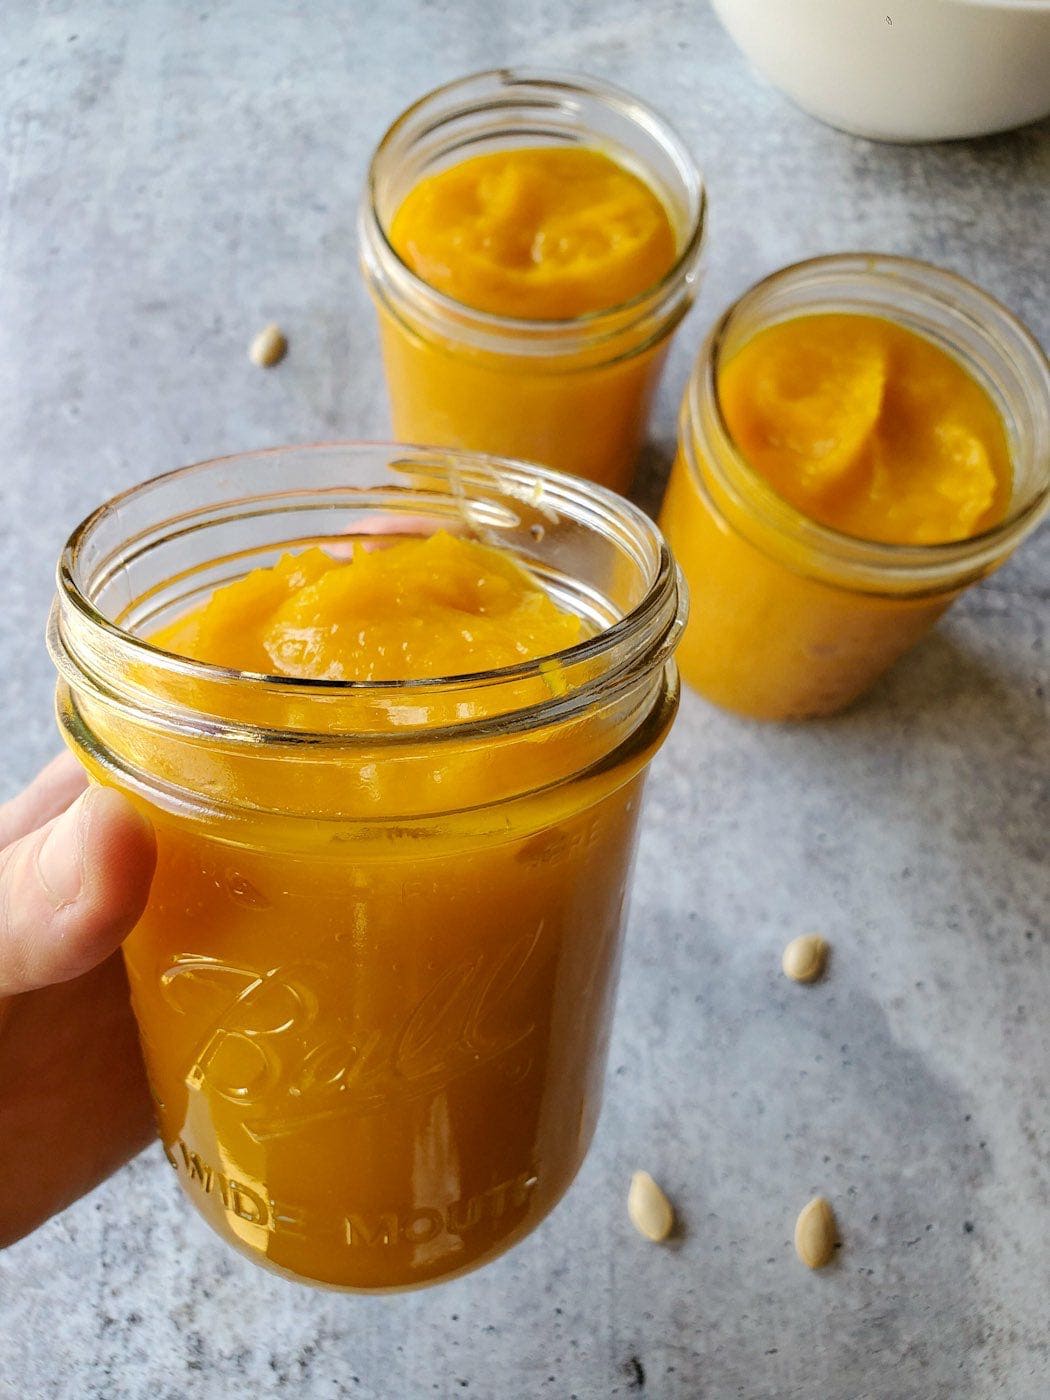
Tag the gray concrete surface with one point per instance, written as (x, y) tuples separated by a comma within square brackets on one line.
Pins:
[(173, 176)]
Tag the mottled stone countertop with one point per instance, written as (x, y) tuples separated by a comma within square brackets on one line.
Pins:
[(176, 175)]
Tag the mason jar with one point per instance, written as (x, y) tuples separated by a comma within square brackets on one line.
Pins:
[(375, 977), (573, 394), (790, 618)]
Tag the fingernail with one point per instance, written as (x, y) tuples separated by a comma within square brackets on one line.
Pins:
[(60, 859)]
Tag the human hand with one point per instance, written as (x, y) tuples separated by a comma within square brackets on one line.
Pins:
[(75, 872)]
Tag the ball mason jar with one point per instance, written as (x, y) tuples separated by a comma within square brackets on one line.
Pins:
[(574, 394), (791, 619), (375, 977)]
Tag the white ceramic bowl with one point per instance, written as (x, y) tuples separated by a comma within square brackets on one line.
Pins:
[(902, 70)]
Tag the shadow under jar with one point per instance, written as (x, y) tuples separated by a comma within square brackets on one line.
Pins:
[(791, 619), (573, 394), (375, 977)]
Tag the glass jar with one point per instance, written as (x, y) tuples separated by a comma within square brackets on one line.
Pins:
[(375, 977), (791, 619), (573, 394)]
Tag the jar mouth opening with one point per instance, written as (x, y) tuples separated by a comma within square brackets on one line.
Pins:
[(691, 238), (934, 285), (648, 629)]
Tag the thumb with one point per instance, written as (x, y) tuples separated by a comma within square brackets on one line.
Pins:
[(71, 891)]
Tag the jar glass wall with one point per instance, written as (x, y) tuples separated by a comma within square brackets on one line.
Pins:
[(375, 977), (573, 394), (792, 619)]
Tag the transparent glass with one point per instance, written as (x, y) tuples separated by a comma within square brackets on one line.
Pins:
[(375, 978), (791, 619), (571, 394)]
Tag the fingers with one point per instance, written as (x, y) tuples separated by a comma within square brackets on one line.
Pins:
[(50, 792), (74, 1105), (71, 892), (387, 523)]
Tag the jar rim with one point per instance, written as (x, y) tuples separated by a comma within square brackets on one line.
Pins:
[(373, 230), (870, 560), (646, 634)]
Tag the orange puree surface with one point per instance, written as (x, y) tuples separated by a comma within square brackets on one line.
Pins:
[(540, 233), (374, 985), (417, 609), (536, 235), (863, 426), (869, 428)]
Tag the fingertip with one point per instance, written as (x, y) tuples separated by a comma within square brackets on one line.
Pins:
[(118, 856), (119, 852), (71, 891)]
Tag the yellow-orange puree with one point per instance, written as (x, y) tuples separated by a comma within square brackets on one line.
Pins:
[(375, 997), (537, 235), (863, 426)]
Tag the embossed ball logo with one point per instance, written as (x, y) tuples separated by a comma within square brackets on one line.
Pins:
[(281, 1042)]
